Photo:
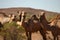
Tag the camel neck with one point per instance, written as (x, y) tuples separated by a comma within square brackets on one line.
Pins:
[(43, 19), (44, 22)]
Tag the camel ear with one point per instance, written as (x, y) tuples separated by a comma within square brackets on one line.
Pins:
[(42, 13)]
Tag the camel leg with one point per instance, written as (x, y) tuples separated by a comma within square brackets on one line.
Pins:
[(43, 34), (55, 38), (29, 35)]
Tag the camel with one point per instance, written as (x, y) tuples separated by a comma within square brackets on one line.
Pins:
[(6, 18), (54, 29), (55, 21), (32, 26)]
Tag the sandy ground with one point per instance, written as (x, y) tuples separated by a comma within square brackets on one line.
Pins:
[(36, 36), (1, 38)]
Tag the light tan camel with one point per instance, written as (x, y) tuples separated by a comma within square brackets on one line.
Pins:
[(6, 19)]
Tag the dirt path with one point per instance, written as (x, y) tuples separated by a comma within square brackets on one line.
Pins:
[(36, 36)]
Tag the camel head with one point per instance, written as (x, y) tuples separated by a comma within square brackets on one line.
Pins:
[(42, 16), (12, 16), (19, 13), (42, 13)]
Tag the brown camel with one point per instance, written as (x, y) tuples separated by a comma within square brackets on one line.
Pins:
[(54, 29), (32, 26)]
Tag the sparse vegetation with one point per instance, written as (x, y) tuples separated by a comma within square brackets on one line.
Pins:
[(12, 32)]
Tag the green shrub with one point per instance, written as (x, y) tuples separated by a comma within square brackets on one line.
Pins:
[(11, 31)]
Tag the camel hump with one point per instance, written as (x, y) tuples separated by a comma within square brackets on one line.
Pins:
[(34, 17)]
